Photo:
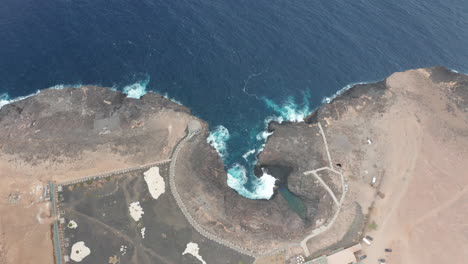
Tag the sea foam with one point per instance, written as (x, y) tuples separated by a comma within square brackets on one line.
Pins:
[(136, 90), (248, 153), (238, 176), (139, 88), (289, 110), (218, 138), (5, 98), (263, 186), (327, 100)]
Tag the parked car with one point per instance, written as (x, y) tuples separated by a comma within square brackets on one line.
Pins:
[(366, 241), (388, 250)]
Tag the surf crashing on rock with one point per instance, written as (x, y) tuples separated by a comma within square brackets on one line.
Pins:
[(248, 153), (6, 99), (136, 90), (289, 110), (217, 139), (243, 180), (139, 88), (263, 187), (327, 100)]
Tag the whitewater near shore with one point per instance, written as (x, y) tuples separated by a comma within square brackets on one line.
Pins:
[(389, 154)]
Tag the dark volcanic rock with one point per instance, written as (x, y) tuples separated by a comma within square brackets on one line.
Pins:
[(64, 123), (458, 83)]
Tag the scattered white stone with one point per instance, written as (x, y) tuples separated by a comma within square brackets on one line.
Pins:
[(72, 224), (142, 231), (193, 249), (123, 249), (155, 182), (136, 211), (79, 251)]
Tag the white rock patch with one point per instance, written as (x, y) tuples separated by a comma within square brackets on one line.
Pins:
[(72, 224), (193, 249), (136, 211), (79, 251), (123, 249), (142, 231), (155, 182)]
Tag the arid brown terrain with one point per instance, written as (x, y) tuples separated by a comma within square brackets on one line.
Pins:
[(384, 159), (62, 135), (386, 139)]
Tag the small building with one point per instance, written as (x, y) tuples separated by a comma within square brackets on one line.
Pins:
[(46, 194), (344, 256), (319, 260)]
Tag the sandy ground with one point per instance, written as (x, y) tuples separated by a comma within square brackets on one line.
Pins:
[(25, 225), (423, 215)]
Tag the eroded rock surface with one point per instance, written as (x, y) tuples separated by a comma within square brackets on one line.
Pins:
[(375, 133), (364, 128), (64, 123)]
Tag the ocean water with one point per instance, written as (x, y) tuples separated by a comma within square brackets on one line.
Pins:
[(236, 64)]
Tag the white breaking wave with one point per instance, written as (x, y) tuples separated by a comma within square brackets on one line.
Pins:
[(237, 174), (172, 99), (327, 100), (137, 89), (218, 138), (289, 110), (237, 177), (248, 153), (5, 99), (263, 186), (263, 135), (62, 86), (459, 72)]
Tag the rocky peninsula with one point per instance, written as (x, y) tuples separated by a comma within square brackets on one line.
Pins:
[(383, 159)]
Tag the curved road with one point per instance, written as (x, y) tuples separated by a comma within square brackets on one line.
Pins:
[(194, 129)]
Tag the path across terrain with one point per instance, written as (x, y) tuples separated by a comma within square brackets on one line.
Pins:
[(194, 129), (241, 250), (339, 203), (56, 213)]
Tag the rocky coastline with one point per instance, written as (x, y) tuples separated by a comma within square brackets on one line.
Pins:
[(329, 168)]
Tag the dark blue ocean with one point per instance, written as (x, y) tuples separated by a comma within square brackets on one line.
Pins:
[(236, 64)]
